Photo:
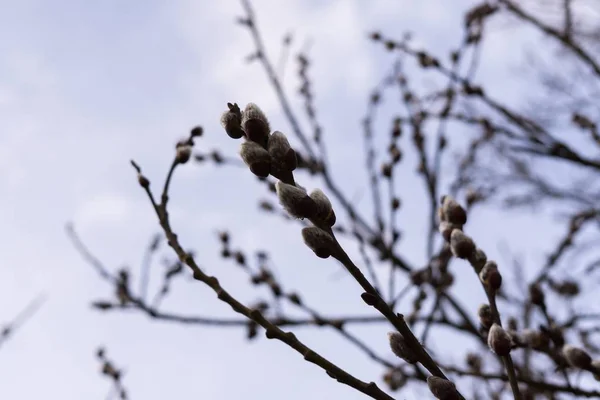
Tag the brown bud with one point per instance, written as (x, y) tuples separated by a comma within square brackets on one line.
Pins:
[(499, 340), (396, 154), (442, 388), (453, 211), (319, 241), (490, 276), (401, 348), (421, 276), (577, 357), (143, 181), (536, 295), (567, 288), (474, 362), (196, 131), (462, 246), (295, 200), (255, 124), (386, 170), (395, 203), (485, 315), (257, 158), (183, 153), (295, 298)]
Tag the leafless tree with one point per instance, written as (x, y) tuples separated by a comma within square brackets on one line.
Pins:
[(531, 338)]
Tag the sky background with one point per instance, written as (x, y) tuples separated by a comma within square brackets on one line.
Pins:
[(87, 86)]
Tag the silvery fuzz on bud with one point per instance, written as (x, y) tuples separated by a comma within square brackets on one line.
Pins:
[(232, 123), (478, 259), (395, 379), (324, 209), (446, 229), (485, 315), (295, 200), (535, 339), (490, 276), (401, 349), (499, 340), (257, 158), (453, 212), (281, 152), (319, 241), (461, 245), (577, 357), (255, 124), (442, 388)]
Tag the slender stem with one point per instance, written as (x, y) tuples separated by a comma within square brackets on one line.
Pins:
[(397, 320), (272, 331)]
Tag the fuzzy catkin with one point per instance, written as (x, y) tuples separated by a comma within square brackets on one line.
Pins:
[(232, 124), (499, 340), (442, 388), (281, 152), (256, 124), (295, 200), (462, 246), (257, 158), (577, 357), (319, 241), (401, 349)]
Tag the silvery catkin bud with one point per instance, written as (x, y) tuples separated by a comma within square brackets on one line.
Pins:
[(490, 276), (295, 200), (442, 388), (446, 229), (453, 212), (485, 315), (401, 349), (324, 209), (499, 340), (232, 124), (255, 124), (319, 241), (535, 339), (577, 357), (461, 245), (281, 152), (257, 158), (478, 259)]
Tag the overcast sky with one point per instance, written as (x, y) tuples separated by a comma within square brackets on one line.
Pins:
[(87, 86)]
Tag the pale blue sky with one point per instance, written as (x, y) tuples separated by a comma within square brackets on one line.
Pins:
[(86, 86)]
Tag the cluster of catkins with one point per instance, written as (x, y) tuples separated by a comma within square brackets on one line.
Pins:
[(268, 153), (501, 341)]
